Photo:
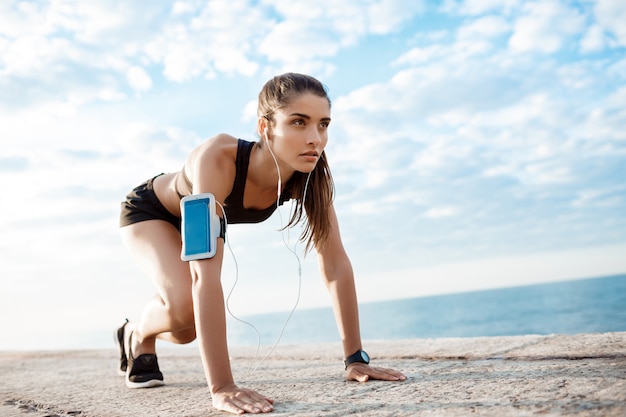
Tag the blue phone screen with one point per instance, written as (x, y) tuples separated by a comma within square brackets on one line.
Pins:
[(197, 227)]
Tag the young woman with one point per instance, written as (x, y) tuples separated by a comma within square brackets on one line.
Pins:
[(293, 119)]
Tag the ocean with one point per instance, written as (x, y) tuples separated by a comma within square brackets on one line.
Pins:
[(593, 305)]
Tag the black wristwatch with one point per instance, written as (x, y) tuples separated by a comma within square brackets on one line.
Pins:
[(358, 356)]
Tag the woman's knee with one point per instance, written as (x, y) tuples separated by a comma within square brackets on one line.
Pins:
[(180, 314), (182, 337)]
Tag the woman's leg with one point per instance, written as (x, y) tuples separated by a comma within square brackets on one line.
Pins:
[(156, 245)]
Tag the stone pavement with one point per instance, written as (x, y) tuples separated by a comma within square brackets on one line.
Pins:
[(558, 375)]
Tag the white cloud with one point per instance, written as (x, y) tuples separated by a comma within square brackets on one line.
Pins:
[(440, 212), (593, 40), (366, 207), (387, 16), (181, 61), (484, 27), (475, 120), (613, 196), (221, 37), (183, 7), (545, 26), (307, 31), (441, 152), (578, 75), (479, 7), (138, 78), (19, 19), (288, 42), (611, 15), (88, 21), (29, 55), (91, 20), (420, 55), (353, 20), (527, 110)]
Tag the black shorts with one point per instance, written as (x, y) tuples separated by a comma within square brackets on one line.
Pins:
[(142, 204)]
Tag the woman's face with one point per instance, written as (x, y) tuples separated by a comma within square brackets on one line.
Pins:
[(300, 132)]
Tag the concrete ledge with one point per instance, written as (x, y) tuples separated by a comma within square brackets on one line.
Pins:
[(582, 375)]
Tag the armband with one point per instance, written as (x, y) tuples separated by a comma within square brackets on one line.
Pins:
[(200, 227)]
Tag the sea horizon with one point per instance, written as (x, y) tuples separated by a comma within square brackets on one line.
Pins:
[(582, 305)]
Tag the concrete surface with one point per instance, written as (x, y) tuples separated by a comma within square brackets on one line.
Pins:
[(557, 375)]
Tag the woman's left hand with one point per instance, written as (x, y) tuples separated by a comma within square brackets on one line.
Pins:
[(361, 372)]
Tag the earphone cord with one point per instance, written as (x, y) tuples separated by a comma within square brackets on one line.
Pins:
[(293, 251), (280, 181), (230, 293), (285, 242)]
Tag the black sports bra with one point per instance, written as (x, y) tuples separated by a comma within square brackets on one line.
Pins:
[(235, 211)]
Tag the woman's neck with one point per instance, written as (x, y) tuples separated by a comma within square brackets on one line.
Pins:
[(262, 169)]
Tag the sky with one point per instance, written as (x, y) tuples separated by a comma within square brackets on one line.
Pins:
[(474, 144)]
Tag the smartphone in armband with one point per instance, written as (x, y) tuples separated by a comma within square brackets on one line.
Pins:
[(200, 227)]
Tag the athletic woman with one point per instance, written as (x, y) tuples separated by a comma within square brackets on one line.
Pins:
[(293, 119)]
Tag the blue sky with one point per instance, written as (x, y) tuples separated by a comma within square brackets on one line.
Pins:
[(474, 144)]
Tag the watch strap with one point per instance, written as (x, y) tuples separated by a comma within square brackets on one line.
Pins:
[(358, 356)]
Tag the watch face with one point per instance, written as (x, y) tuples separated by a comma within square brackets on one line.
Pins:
[(365, 357)]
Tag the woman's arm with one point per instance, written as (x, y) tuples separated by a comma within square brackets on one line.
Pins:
[(210, 320), (338, 276), (212, 169)]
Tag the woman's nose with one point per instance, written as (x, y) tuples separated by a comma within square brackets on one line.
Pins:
[(314, 137)]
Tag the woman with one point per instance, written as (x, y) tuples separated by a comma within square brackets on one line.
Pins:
[(293, 119)]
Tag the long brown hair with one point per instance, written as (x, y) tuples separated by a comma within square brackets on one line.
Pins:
[(276, 94)]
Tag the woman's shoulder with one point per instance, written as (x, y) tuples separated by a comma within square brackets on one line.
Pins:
[(213, 159), (219, 149), (219, 143)]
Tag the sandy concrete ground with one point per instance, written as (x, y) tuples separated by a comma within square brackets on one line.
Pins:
[(582, 375)]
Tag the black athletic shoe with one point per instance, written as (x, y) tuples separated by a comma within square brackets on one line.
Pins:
[(119, 339), (142, 371)]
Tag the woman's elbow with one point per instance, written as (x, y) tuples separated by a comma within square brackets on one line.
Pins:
[(337, 272)]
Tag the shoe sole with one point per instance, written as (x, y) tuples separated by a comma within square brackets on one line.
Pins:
[(147, 384)]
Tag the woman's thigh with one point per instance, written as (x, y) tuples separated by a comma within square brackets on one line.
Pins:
[(156, 245)]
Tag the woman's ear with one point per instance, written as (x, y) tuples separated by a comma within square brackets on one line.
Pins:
[(261, 126)]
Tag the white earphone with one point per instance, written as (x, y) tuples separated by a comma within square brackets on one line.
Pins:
[(265, 133)]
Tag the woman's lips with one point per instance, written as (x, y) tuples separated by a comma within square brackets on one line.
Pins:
[(310, 156)]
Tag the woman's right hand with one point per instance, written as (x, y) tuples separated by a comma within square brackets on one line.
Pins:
[(237, 400)]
